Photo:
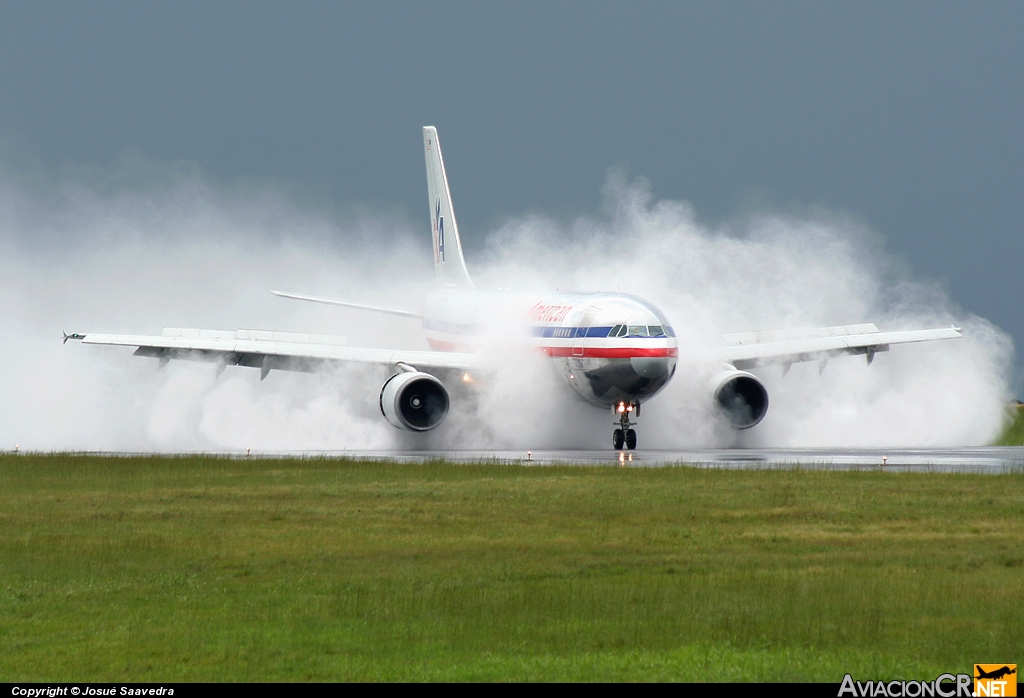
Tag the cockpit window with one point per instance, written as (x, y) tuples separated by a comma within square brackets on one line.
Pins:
[(641, 331)]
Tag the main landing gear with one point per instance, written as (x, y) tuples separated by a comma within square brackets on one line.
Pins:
[(624, 434)]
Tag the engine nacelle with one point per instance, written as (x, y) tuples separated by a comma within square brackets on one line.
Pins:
[(740, 396), (414, 401)]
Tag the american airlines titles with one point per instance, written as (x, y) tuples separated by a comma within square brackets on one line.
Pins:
[(549, 313)]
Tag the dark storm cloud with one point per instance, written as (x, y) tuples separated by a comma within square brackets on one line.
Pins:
[(907, 115)]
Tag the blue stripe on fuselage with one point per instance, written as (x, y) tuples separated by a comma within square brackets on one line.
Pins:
[(549, 332), (571, 332)]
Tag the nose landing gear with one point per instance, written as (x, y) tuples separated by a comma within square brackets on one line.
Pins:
[(624, 437), (624, 434)]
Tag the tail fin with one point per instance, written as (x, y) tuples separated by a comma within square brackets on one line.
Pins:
[(448, 260)]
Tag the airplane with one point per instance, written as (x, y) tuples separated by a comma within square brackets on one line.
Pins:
[(615, 350), (994, 674)]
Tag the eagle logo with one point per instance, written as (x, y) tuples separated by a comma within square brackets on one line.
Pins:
[(438, 233)]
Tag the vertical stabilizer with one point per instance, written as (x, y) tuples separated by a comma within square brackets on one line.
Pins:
[(448, 260)]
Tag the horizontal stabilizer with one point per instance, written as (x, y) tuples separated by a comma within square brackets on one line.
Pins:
[(346, 304)]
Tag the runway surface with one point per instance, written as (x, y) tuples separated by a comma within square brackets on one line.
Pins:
[(991, 459)]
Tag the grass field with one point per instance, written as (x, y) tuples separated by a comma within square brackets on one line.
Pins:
[(1014, 434), (204, 568)]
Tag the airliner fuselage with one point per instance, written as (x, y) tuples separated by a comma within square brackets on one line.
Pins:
[(612, 348)]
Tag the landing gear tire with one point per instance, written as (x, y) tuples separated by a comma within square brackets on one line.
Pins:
[(617, 439), (630, 439)]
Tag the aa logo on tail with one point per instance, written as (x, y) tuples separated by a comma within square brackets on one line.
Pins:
[(995, 680), (438, 233)]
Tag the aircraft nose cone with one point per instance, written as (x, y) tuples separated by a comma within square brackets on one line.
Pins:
[(651, 367)]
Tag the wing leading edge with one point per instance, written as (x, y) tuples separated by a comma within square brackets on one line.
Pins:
[(268, 351), (752, 349)]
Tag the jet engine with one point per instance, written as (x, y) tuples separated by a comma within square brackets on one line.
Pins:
[(413, 400), (740, 396)]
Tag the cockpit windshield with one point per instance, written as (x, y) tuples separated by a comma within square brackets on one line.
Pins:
[(641, 331)]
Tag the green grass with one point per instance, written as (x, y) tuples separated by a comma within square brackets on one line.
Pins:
[(1014, 434), (204, 568)]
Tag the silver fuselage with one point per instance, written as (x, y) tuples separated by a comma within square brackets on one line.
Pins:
[(610, 347)]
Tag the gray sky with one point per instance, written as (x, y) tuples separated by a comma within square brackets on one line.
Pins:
[(906, 115)]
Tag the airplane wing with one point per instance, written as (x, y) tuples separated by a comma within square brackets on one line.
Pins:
[(285, 351), (747, 350)]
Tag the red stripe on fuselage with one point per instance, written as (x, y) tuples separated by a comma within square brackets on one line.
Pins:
[(568, 351), (612, 352), (438, 345)]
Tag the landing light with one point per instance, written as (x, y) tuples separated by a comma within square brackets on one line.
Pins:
[(466, 378), (622, 408)]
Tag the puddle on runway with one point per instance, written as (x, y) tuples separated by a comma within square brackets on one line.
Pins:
[(992, 459)]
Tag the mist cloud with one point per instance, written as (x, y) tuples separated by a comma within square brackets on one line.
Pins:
[(145, 245)]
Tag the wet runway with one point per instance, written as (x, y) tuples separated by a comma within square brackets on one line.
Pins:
[(991, 459)]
